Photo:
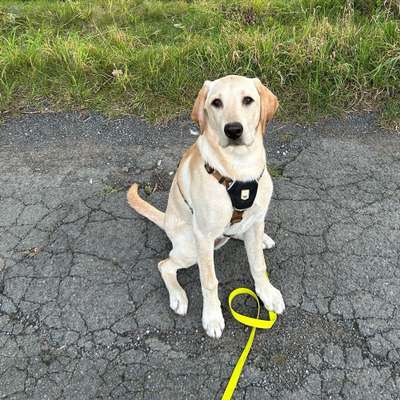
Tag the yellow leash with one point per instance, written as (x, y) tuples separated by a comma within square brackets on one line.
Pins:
[(254, 323)]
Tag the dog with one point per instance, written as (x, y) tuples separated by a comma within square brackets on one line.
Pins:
[(221, 190)]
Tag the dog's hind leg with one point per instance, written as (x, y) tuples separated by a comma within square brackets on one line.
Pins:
[(267, 242), (168, 268)]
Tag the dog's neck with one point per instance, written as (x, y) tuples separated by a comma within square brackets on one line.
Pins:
[(241, 163)]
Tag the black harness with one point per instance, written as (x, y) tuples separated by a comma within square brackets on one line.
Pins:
[(241, 193)]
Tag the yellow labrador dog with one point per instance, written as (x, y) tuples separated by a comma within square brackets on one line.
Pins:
[(221, 189)]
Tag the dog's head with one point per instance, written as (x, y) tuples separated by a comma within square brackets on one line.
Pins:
[(234, 109)]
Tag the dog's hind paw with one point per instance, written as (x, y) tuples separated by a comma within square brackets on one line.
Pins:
[(178, 301), (268, 243)]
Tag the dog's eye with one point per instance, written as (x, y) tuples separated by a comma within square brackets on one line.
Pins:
[(217, 103), (247, 100)]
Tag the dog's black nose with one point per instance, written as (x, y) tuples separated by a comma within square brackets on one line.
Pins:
[(233, 130)]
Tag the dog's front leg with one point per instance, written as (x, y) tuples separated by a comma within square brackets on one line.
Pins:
[(213, 321), (253, 241)]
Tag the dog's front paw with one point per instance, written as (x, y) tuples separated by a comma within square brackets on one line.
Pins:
[(178, 301), (271, 297), (213, 322), (268, 243)]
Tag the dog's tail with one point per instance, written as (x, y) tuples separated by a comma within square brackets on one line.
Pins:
[(144, 208)]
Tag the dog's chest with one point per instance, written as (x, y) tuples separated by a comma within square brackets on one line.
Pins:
[(250, 216)]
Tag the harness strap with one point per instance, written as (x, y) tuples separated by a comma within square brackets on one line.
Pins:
[(237, 215), (183, 197), (223, 180)]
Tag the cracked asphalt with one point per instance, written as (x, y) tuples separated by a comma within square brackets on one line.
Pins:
[(83, 310)]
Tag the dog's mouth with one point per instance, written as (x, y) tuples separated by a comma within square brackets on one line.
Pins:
[(235, 143), (239, 143)]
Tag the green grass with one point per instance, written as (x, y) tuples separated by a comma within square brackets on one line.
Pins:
[(110, 189), (275, 171), (321, 57), (390, 114)]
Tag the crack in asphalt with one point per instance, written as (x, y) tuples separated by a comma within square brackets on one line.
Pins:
[(84, 313)]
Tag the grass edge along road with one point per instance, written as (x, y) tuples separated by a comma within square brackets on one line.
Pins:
[(149, 58)]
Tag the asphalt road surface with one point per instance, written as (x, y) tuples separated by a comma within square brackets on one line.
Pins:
[(84, 313)]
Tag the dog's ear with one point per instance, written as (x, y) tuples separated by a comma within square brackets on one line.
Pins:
[(198, 114), (268, 104)]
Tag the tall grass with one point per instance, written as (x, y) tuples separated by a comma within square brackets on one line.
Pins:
[(149, 58)]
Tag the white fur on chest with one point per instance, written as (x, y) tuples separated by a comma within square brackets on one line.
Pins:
[(247, 165)]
